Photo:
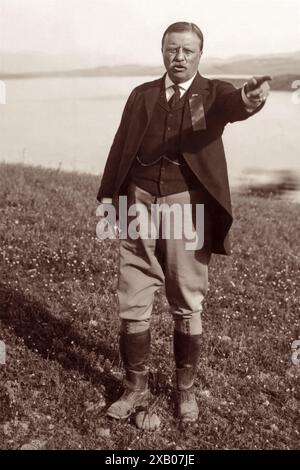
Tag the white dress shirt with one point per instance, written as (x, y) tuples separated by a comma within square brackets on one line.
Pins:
[(183, 87)]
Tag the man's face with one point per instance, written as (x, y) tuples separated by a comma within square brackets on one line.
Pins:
[(181, 54)]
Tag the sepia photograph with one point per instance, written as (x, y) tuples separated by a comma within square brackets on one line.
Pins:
[(149, 228)]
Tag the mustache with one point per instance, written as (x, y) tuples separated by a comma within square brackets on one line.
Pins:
[(179, 65)]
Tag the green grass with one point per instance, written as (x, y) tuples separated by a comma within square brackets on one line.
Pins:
[(59, 320)]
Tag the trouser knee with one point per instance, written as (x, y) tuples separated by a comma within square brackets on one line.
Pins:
[(130, 327), (189, 326)]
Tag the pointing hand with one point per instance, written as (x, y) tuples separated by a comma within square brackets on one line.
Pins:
[(257, 88)]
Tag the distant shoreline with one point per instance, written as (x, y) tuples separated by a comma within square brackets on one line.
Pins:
[(284, 68), (279, 83)]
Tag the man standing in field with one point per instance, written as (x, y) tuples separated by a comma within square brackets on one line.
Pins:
[(168, 150)]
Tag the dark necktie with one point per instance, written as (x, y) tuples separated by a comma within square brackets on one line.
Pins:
[(175, 97)]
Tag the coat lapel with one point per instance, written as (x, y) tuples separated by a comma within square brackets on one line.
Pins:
[(194, 115), (152, 95), (194, 112), (142, 112)]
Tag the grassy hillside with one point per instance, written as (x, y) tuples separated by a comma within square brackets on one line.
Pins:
[(58, 318)]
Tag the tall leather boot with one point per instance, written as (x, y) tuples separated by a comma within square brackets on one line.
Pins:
[(186, 352), (134, 350)]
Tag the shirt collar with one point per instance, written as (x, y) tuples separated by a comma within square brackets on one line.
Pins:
[(184, 85)]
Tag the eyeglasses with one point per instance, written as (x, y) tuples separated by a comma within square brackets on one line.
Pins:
[(179, 50)]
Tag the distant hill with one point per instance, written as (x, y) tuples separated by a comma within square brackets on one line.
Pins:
[(38, 62), (271, 64), (285, 68), (240, 65)]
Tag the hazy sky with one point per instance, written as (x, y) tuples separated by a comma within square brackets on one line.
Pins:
[(122, 31)]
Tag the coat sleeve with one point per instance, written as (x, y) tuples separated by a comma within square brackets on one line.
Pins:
[(230, 104), (112, 162)]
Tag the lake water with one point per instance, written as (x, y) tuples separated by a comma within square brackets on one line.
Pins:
[(70, 123)]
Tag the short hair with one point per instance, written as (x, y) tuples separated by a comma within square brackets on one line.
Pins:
[(183, 27)]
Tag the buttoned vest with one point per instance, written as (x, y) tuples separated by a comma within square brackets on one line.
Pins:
[(159, 167)]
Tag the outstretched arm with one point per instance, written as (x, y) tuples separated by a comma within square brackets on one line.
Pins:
[(239, 104)]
